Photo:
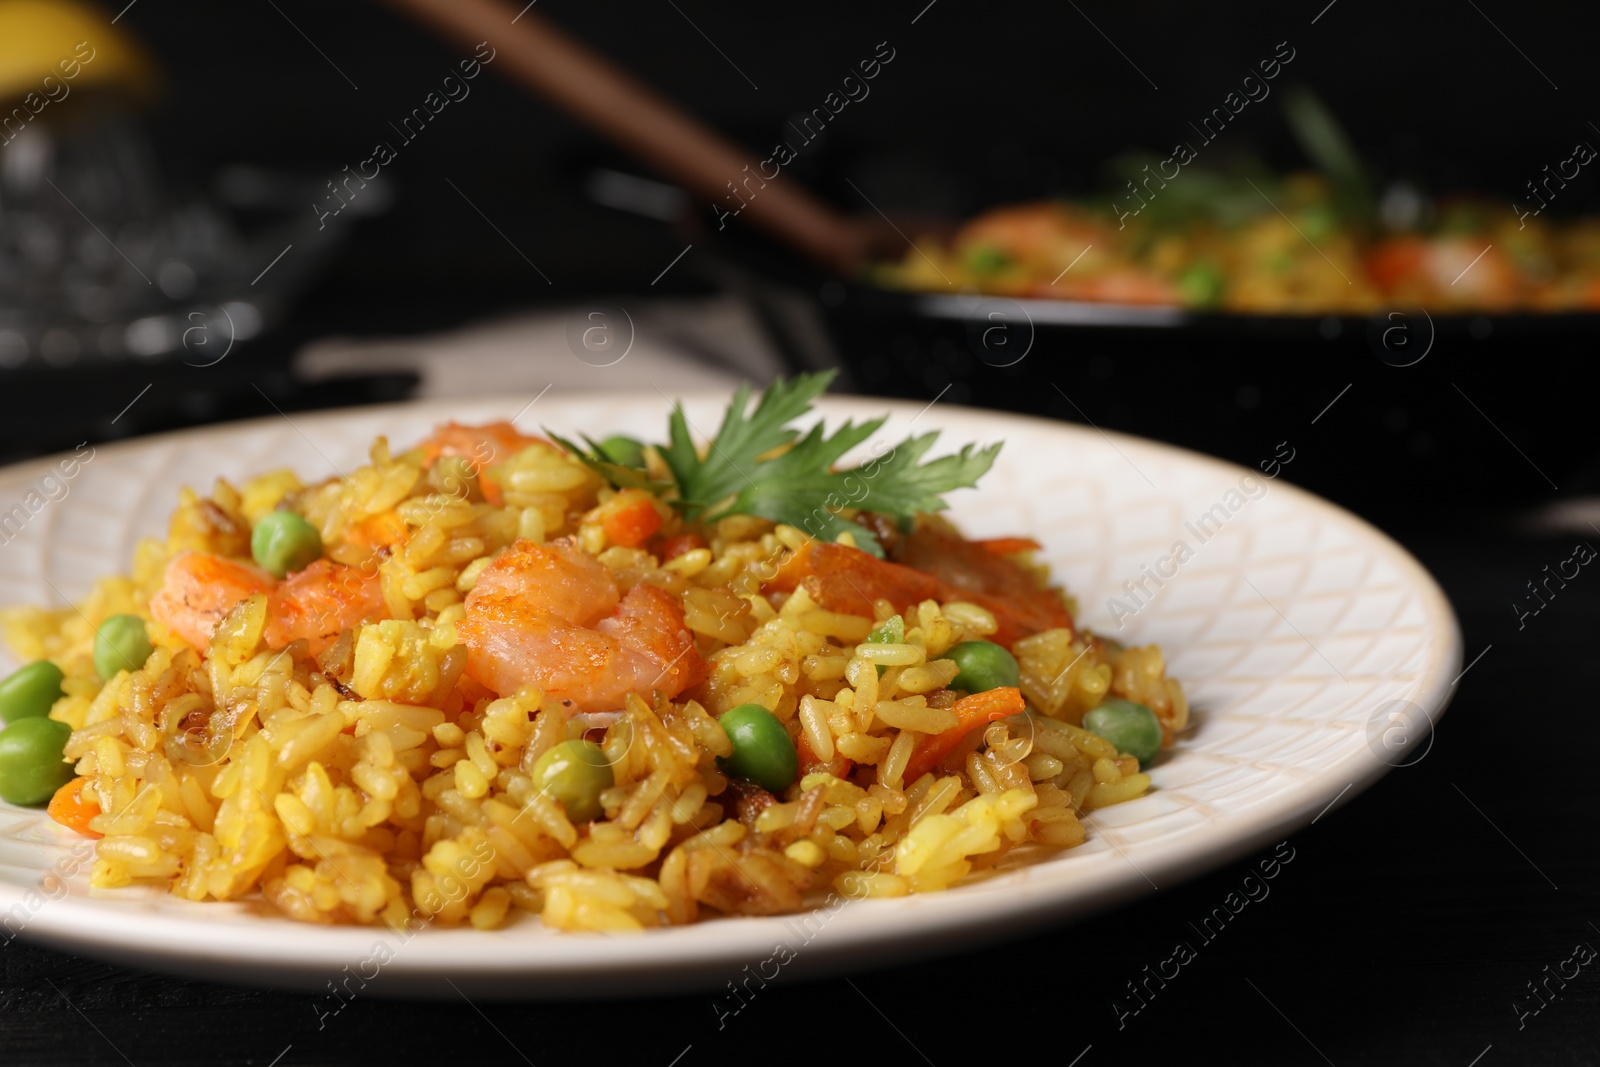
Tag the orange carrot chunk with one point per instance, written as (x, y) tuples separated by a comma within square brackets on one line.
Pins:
[(673, 547), (1006, 546), (490, 488), (383, 529), (839, 766), (633, 519), (72, 809), (973, 712)]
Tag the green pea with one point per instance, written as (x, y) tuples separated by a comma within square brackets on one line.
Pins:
[(987, 259), (575, 773), (984, 665), (1201, 284), (1132, 728), (282, 542), (30, 692), (31, 767), (1462, 219), (762, 749), (623, 450), (1318, 222), (120, 644)]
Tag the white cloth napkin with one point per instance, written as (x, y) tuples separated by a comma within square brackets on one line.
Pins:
[(673, 345)]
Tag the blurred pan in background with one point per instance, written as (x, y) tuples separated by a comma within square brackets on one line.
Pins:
[(1423, 410), (1402, 408)]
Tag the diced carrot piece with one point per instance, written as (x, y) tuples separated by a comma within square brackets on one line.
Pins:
[(673, 547), (490, 488), (384, 529), (973, 712), (632, 518), (1006, 546), (839, 766), (1396, 262), (72, 809)]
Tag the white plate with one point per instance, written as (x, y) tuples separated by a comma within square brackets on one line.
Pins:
[(1299, 632)]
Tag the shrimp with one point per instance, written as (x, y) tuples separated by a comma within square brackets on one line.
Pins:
[(970, 571), (1044, 233), (1045, 237), (199, 589), (551, 616), (934, 563), (848, 580), (322, 600), (316, 603), (483, 445)]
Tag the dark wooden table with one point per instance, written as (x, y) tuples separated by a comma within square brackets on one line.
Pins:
[(1406, 929)]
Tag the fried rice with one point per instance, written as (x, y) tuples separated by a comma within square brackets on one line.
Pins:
[(330, 741)]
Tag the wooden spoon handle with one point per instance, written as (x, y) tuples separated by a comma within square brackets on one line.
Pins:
[(630, 113)]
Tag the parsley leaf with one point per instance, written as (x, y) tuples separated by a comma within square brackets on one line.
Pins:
[(619, 475), (896, 485), (802, 488), (758, 465), (703, 483)]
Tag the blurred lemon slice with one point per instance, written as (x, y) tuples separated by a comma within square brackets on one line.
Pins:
[(72, 43)]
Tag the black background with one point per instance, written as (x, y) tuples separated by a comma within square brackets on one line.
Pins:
[(1410, 921)]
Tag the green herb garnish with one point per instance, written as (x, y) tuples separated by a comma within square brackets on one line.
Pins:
[(596, 458), (892, 632), (757, 464)]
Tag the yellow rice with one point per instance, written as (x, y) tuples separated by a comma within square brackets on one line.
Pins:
[(407, 796)]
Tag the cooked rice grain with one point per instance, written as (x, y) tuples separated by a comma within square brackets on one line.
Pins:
[(377, 782)]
